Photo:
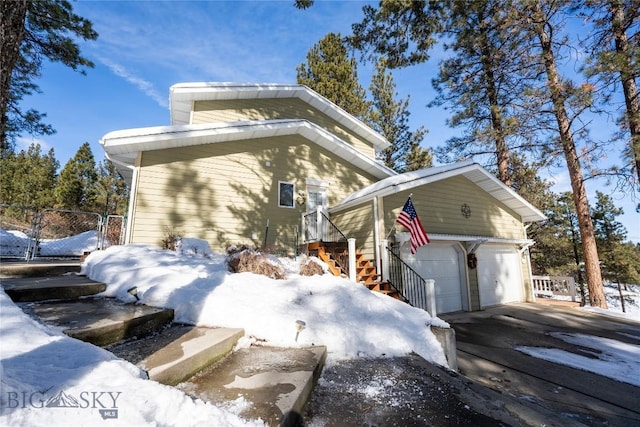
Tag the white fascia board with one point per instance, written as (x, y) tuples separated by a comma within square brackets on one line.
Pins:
[(125, 144), (182, 95)]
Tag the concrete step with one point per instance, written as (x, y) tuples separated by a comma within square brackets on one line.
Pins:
[(69, 286), (100, 321), (179, 351), (38, 268), (276, 382)]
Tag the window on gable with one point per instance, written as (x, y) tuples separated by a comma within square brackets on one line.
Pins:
[(286, 190)]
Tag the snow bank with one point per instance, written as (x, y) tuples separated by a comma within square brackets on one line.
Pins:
[(47, 378), (346, 317)]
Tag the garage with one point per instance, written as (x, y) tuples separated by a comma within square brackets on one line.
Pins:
[(499, 275), (442, 263)]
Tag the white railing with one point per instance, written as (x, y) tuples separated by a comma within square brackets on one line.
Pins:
[(551, 286)]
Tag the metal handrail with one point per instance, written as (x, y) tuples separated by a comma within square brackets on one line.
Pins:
[(407, 281), (319, 228)]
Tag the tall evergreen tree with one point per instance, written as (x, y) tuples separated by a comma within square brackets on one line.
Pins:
[(112, 192), (609, 232), (540, 18), (76, 187), (28, 178), (332, 72), (614, 49), (620, 261), (31, 31), (481, 82), (557, 248), (390, 118)]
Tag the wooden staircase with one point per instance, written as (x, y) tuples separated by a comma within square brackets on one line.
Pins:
[(366, 273)]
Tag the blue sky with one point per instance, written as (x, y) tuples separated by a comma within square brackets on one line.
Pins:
[(144, 47)]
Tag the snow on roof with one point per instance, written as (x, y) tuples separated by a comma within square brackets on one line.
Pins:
[(123, 146), (182, 96), (470, 170)]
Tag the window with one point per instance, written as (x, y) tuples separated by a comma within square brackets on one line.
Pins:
[(286, 190)]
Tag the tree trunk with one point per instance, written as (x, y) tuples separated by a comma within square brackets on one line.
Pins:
[(585, 224), (12, 19), (628, 82), (502, 153)]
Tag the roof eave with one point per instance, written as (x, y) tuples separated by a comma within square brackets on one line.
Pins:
[(125, 145)]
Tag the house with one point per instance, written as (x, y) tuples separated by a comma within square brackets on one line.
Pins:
[(283, 168)]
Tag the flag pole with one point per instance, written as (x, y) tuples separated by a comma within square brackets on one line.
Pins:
[(393, 227)]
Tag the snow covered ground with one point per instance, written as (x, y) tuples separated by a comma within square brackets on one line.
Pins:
[(86, 385), (41, 366), (14, 243)]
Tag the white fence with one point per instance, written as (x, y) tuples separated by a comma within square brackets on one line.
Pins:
[(553, 286)]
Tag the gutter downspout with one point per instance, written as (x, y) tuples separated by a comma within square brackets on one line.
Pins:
[(134, 179)]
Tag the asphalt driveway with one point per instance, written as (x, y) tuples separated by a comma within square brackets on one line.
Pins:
[(486, 354)]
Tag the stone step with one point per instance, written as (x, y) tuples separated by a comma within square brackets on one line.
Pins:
[(179, 351), (101, 321), (70, 286), (275, 382), (38, 268)]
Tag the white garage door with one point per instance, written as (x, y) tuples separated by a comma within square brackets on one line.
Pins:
[(440, 262), (499, 275)]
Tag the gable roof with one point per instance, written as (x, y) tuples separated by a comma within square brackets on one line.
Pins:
[(470, 170), (122, 147), (182, 96)]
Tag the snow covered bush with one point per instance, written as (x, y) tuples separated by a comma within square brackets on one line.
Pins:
[(171, 238), (241, 259), (311, 267)]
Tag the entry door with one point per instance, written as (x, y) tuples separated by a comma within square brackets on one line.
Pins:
[(499, 275), (317, 201)]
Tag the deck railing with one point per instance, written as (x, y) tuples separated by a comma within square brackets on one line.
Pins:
[(319, 228), (550, 286)]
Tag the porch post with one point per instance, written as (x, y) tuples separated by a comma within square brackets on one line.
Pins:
[(352, 259), (431, 297), (384, 255), (319, 222), (376, 233)]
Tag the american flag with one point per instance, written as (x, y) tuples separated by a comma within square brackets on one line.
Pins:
[(409, 219)]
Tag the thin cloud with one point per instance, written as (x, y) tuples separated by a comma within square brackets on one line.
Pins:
[(143, 85), (23, 143)]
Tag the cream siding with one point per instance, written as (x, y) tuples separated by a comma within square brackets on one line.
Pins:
[(271, 109), (358, 223), (226, 192), (439, 207)]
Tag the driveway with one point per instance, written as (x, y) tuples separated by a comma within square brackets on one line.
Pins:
[(486, 342)]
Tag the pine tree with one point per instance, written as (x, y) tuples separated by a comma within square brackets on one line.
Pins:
[(28, 178), (614, 60), (332, 73), (481, 82), (30, 32), (390, 118), (557, 242), (558, 96), (112, 192), (76, 187)]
